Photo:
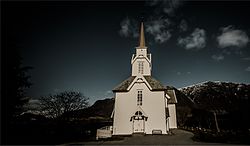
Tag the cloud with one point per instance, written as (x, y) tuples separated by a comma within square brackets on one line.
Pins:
[(183, 25), (34, 101), (231, 42), (162, 37), (125, 27), (108, 94), (248, 69), (231, 37), (218, 57), (159, 30), (246, 59), (170, 6), (33, 104), (166, 6), (159, 23), (128, 28), (156, 26), (196, 41), (56, 90), (152, 2)]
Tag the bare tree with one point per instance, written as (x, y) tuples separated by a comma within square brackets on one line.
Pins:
[(55, 106)]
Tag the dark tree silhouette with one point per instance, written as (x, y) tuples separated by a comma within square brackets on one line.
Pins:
[(59, 105), (15, 83)]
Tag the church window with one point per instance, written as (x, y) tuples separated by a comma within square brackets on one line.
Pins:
[(139, 98), (140, 67), (138, 113)]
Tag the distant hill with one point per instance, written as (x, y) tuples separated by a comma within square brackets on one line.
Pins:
[(103, 108), (218, 96), (100, 109)]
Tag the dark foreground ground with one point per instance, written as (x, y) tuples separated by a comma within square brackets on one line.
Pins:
[(178, 137)]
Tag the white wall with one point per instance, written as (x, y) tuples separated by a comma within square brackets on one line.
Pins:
[(146, 67), (172, 118), (124, 109), (141, 55), (141, 51), (153, 105)]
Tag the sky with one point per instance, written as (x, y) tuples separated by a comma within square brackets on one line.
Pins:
[(87, 46)]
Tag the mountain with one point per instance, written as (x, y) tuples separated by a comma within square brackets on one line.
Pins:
[(184, 106), (220, 105), (100, 109), (182, 99), (103, 108), (219, 96)]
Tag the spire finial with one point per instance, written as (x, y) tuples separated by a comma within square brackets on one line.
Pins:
[(142, 37)]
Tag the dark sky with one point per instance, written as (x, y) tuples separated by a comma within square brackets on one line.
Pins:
[(87, 46)]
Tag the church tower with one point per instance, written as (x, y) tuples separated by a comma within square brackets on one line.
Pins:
[(141, 61)]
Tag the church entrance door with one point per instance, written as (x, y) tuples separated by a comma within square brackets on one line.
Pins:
[(138, 126), (138, 122)]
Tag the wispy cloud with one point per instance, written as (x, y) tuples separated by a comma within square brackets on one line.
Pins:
[(183, 73), (159, 24), (33, 104), (248, 69), (162, 37), (108, 94), (56, 90), (125, 24), (183, 25), (159, 30), (167, 6), (156, 26), (171, 6), (128, 28), (232, 37), (218, 57), (196, 40), (246, 59)]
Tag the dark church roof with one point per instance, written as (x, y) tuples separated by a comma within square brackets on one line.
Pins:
[(172, 96), (156, 85), (124, 85)]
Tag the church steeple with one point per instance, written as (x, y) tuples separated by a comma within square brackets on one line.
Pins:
[(142, 37), (141, 60)]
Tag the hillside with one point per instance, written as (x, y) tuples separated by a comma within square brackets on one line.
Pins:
[(100, 109), (220, 96), (224, 102)]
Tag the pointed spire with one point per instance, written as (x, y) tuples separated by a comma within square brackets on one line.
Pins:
[(142, 37)]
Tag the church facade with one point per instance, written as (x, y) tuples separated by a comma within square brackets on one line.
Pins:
[(143, 104)]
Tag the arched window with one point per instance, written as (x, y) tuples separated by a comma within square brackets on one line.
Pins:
[(138, 113)]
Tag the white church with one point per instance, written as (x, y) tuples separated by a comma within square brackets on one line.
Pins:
[(142, 104)]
